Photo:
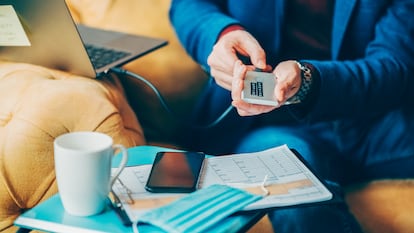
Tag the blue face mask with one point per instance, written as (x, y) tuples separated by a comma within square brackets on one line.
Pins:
[(198, 211)]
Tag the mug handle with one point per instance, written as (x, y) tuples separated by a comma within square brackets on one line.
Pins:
[(122, 164)]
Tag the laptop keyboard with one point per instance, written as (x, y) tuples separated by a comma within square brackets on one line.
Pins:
[(101, 57)]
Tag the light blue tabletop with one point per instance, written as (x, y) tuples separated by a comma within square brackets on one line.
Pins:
[(50, 216)]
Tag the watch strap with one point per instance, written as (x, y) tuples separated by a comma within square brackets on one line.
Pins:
[(306, 84)]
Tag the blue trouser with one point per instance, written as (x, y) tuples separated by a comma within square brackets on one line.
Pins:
[(318, 143)]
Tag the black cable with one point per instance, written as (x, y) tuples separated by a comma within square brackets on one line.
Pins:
[(165, 105)]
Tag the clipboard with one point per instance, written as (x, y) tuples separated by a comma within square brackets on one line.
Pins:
[(291, 156), (118, 207)]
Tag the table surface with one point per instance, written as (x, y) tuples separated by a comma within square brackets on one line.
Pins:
[(50, 216)]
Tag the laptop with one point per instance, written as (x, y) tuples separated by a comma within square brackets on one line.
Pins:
[(55, 41)]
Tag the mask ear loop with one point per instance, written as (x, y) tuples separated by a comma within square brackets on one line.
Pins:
[(130, 201), (128, 191), (262, 186), (266, 192), (135, 226)]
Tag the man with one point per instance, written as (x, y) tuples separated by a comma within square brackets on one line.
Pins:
[(347, 64)]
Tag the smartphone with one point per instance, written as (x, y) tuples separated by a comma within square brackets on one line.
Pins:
[(175, 172)]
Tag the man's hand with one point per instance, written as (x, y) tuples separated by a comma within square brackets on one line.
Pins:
[(224, 55), (289, 79)]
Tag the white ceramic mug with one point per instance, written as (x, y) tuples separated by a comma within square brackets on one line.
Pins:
[(83, 170)]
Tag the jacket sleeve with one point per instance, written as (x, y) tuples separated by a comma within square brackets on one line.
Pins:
[(198, 24), (381, 79)]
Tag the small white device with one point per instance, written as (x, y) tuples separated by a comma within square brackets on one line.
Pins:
[(259, 88)]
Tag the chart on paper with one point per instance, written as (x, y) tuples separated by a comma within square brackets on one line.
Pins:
[(288, 180)]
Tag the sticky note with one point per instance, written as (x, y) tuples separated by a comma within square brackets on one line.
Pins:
[(11, 29)]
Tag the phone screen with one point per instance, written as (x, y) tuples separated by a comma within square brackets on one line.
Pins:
[(175, 172)]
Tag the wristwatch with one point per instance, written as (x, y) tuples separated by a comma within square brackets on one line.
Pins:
[(306, 85)]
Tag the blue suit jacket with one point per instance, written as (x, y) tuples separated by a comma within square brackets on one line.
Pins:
[(365, 89)]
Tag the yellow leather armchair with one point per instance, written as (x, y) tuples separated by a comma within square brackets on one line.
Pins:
[(36, 106)]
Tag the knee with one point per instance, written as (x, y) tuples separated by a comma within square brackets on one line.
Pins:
[(268, 137), (317, 156)]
